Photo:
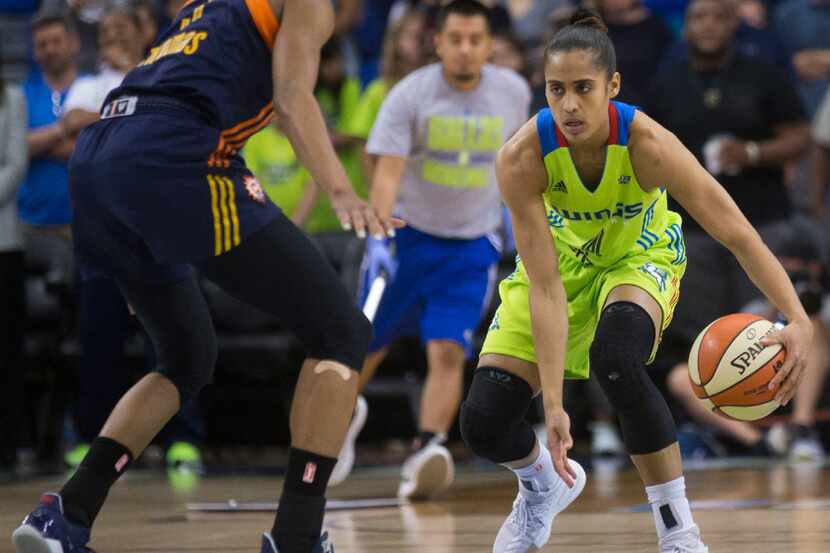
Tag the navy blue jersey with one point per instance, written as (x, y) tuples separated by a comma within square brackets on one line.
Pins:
[(216, 56)]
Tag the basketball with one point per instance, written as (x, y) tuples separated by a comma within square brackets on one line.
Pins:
[(730, 369)]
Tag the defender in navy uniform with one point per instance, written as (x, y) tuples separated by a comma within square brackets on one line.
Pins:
[(158, 187)]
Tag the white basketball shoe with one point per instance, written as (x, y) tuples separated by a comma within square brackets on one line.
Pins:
[(683, 541), (529, 525), (428, 473), (345, 461)]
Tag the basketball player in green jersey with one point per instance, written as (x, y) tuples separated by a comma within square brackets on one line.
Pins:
[(601, 258)]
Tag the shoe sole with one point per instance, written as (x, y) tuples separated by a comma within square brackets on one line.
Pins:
[(433, 477), (28, 540), (348, 452)]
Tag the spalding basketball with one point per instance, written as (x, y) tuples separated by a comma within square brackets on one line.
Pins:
[(730, 370)]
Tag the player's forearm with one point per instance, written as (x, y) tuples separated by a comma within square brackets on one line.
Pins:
[(300, 119), (549, 322), (762, 267)]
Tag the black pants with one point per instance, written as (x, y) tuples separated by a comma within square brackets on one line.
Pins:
[(12, 320), (105, 326), (279, 271)]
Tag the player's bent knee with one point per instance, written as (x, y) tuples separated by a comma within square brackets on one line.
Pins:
[(621, 347), (492, 417), (343, 338), (618, 354), (190, 362)]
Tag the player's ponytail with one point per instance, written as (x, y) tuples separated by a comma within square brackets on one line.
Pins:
[(586, 31)]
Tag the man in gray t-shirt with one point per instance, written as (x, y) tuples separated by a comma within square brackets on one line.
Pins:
[(436, 139)]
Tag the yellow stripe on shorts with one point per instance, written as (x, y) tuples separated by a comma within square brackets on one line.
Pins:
[(223, 207), (217, 230), (234, 215)]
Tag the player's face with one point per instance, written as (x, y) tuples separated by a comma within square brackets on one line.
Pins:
[(463, 46), (54, 48), (578, 93), (710, 26)]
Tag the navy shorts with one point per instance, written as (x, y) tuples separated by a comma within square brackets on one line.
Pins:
[(147, 200)]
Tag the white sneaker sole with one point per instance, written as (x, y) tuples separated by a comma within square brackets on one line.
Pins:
[(28, 540), (432, 476), (345, 461)]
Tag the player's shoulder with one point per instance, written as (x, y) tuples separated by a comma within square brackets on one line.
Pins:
[(507, 79), (524, 144), (648, 140)]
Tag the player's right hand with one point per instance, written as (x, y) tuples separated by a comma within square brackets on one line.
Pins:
[(379, 259), (357, 214), (558, 425)]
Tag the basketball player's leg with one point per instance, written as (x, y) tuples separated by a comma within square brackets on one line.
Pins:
[(177, 320), (494, 427), (278, 270), (628, 328)]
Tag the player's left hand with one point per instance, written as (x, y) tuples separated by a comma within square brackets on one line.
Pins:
[(559, 442), (796, 338), (357, 214)]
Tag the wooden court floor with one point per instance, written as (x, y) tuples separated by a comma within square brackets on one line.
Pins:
[(741, 508)]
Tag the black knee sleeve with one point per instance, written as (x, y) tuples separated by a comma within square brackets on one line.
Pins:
[(342, 336), (178, 322), (493, 416), (189, 365), (621, 347)]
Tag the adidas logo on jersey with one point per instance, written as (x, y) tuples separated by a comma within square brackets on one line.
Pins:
[(560, 187), (624, 179)]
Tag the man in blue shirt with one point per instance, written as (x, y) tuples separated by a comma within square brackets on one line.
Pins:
[(43, 199)]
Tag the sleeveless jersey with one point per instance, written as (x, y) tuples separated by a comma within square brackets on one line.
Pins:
[(216, 56), (617, 219)]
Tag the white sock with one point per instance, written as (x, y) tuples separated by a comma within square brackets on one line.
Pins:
[(538, 476), (670, 507)]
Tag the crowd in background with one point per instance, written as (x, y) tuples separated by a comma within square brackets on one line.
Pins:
[(743, 83)]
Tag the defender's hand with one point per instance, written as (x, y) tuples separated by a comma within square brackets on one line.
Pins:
[(796, 338), (559, 442), (356, 214)]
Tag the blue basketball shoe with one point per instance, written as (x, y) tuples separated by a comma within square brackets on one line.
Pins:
[(322, 546), (46, 530)]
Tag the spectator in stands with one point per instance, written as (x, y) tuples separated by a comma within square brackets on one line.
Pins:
[(744, 121), (43, 199), (529, 19), (508, 51), (755, 37), (13, 161), (86, 16), (145, 10), (804, 29), (402, 54), (641, 39)]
